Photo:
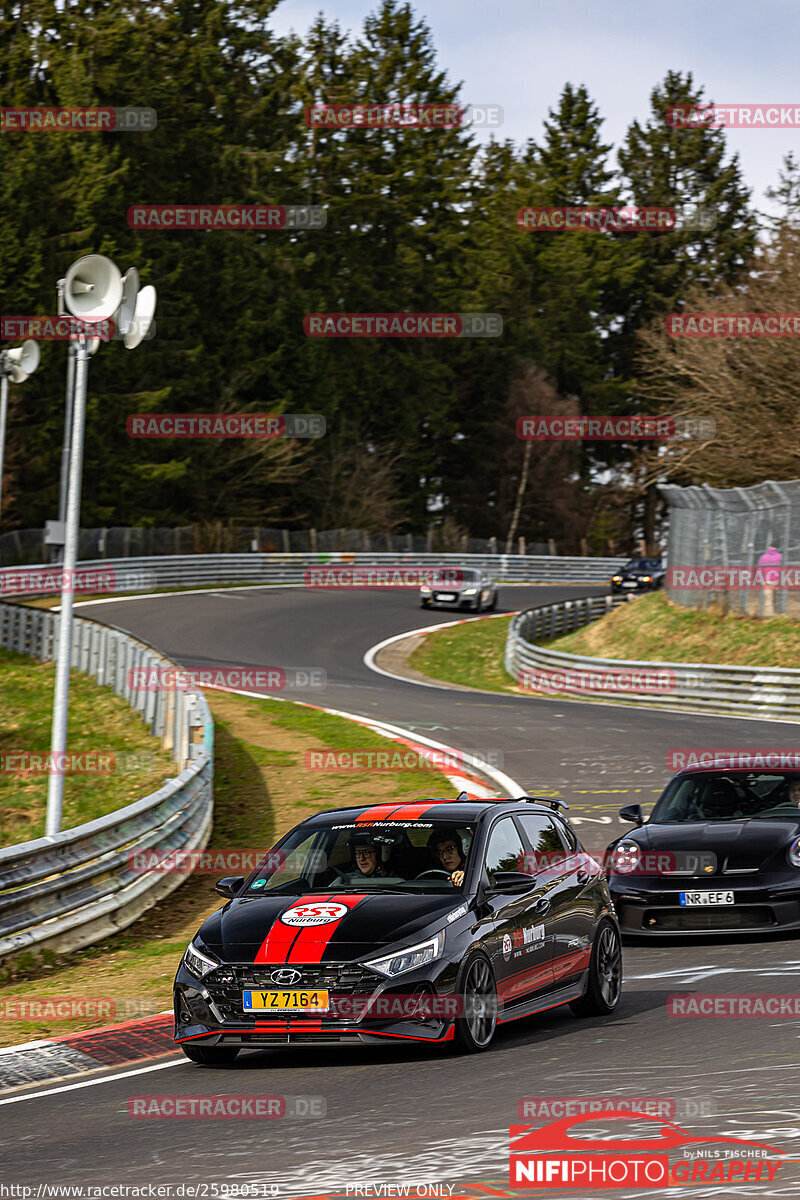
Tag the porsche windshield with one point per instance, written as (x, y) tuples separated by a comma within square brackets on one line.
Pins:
[(392, 856), (729, 796)]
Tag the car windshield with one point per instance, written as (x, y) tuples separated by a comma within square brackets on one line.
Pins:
[(643, 564), (455, 578), (390, 856), (729, 796)]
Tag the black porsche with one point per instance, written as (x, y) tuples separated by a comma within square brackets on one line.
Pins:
[(434, 921), (719, 853)]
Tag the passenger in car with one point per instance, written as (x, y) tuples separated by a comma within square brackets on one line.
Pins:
[(448, 850)]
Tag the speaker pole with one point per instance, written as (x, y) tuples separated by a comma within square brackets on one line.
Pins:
[(55, 783), (3, 415), (65, 445)]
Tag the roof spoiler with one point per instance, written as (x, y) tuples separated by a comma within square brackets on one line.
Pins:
[(554, 804)]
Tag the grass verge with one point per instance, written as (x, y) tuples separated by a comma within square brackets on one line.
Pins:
[(262, 787), (99, 721), (652, 628), (470, 654)]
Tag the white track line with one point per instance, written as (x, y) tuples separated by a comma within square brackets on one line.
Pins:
[(71, 1087), (369, 658)]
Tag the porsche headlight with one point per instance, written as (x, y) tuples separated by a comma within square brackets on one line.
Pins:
[(410, 958), (616, 579), (425, 589), (793, 853), (625, 858), (197, 963), (469, 591), (647, 579)]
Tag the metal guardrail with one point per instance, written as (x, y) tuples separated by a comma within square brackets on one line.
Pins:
[(73, 889), (703, 687), (198, 570)]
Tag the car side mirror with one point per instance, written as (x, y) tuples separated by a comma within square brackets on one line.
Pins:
[(229, 886), (632, 812), (510, 883)]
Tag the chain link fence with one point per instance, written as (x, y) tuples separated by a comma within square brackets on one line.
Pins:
[(756, 528), (23, 547)]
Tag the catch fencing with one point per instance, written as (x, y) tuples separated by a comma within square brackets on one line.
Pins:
[(75, 888), (21, 546), (735, 527)]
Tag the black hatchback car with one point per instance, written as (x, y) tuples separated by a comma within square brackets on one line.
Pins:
[(639, 575), (719, 853), (433, 921)]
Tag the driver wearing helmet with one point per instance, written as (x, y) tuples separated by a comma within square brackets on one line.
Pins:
[(366, 851), (448, 850)]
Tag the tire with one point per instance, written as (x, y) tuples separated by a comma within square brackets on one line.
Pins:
[(493, 605), (424, 603), (474, 1031), (211, 1056), (605, 975)]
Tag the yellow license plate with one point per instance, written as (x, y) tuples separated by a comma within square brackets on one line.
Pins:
[(294, 1001)]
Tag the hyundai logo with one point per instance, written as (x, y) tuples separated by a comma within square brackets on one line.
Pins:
[(286, 976)]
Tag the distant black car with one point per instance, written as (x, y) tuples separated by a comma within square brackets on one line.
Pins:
[(640, 575), (411, 921), (719, 853), (459, 587)]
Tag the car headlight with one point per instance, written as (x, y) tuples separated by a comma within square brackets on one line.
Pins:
[(196, 962), (425, 589), (616, 579), (410, 958), (647, 579), (625, 858), (469, 591), (793, 853)]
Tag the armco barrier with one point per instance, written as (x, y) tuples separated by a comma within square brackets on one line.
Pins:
[(73, 889), (755, 691), (198, 570)]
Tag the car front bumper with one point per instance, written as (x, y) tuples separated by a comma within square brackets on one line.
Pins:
[(209, 1014), (651, 909)]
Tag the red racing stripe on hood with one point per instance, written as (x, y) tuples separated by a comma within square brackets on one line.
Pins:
[(278, 942), (312, 942), (283, 940)]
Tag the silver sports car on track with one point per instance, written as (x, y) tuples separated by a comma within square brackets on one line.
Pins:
[(461, 588)]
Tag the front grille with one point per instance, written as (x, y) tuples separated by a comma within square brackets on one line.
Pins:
[(752, 917), (226, 984)]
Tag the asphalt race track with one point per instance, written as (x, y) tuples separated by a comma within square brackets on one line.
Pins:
[(406, 1116)]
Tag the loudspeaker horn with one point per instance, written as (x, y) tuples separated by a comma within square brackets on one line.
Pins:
[(125, 313), (93, 288), (142, 317), (22, 361)]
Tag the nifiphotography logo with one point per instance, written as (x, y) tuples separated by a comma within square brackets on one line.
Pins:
[(555, 1156)]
